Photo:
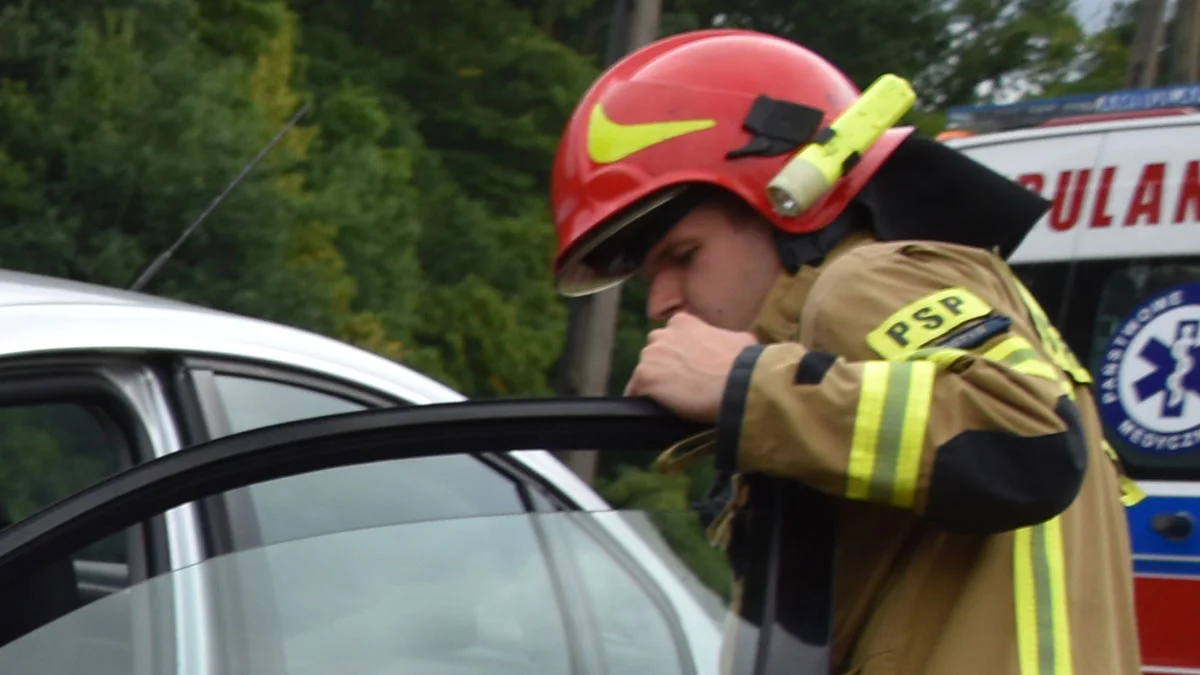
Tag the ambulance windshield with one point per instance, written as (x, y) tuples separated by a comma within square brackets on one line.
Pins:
[(1135, 325)]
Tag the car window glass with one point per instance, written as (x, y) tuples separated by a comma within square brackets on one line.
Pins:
[(368, 495), (49, 451), (1129, 323), (462, 596), (459, 596), (466, 591), (349, 497), (252, 403), (632, 627)]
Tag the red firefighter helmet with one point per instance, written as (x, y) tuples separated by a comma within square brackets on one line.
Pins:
[(721, 108)]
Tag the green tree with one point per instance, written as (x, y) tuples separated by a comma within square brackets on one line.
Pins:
[(1105, 56), (865, 38), (473, 96), (114, 151), (1002, 49), (105, 157)]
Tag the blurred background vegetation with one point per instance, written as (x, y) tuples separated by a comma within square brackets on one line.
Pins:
[(408, 214)]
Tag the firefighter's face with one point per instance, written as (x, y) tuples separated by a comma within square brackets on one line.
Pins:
[(718, 264)]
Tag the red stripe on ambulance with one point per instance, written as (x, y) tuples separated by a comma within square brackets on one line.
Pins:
[(1168, 616)]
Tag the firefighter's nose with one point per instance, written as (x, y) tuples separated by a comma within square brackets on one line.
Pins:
[(666, 295)]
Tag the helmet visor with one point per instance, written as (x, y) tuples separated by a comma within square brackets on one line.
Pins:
[(615, 252)]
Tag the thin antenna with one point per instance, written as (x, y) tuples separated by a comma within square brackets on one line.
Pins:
[(162, 259)]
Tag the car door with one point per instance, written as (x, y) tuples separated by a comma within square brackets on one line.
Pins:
[(537, 588), (68, 419)]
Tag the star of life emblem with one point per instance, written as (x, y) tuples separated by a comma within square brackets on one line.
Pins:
[(1149, 384)]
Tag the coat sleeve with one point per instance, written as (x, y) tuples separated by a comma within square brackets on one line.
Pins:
[(926, 388)]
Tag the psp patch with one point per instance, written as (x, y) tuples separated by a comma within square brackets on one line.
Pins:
[(918, 324), (1149, 384)]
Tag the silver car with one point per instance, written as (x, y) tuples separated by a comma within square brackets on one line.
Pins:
[(189, 492)]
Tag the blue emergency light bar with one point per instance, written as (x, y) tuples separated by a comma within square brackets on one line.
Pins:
[(1024, 114)]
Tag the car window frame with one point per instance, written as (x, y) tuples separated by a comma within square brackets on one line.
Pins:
[(39, 381), (199, 373), (230, 520)]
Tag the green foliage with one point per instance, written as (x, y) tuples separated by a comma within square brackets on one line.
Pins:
[(477, 125), (408, 214), (490, 343), (1105, 56), (1000, 49), (863, 37), (243, 28), (116, 152)]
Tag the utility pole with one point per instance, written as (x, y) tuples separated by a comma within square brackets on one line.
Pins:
[(1147, 42), (643, 29), (592, 324), (1186, 48)]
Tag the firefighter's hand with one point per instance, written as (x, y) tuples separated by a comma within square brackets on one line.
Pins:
[(684, 367)]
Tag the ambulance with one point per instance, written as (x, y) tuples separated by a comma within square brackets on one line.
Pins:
[(1116, 264)]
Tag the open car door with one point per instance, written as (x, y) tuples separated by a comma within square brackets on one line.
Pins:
[(520, 584)]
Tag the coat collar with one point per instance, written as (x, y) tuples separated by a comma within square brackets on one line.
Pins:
[(779, 319)]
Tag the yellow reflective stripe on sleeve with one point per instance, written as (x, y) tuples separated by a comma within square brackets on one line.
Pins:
[(942, 357), (889, 432), (867, 420), (1043, 624), (1015, 352), (912, 438), (1018, 354)]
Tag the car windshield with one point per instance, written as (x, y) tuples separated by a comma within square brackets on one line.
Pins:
[(553, 592)]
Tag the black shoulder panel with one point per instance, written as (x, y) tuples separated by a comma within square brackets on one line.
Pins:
[(994, 481)]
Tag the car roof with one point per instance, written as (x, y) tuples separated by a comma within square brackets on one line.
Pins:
[(43, 315), (23, 288), (70, 315)]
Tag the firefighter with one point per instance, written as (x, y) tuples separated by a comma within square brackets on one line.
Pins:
[(860, 336)]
